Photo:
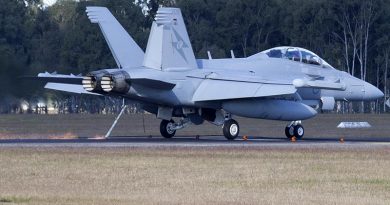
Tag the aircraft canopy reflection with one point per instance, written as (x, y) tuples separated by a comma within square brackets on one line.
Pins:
[(295, 54)]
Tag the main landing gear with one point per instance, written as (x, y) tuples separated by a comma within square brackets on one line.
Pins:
[(294, 129), (231, 129), (168, 127)]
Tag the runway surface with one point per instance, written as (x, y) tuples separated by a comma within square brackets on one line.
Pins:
[(200, 142)]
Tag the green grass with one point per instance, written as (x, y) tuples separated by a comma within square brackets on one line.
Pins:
[(14, 199)]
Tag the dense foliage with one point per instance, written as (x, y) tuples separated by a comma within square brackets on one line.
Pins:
[(352, 35)]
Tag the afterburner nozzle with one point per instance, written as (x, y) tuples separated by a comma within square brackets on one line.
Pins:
[(117, 82), (91, 82), (107, 83)]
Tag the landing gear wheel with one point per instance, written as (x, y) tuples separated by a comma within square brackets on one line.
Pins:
[(299, 131), (294, 131), (231, 129), (166, 128), (289, 131)]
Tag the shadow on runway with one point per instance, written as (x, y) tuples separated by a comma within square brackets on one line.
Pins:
[(193, 140)]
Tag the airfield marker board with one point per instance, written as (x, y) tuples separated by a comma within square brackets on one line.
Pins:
[(354, 125)]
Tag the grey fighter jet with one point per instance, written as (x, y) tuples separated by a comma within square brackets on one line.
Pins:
[(283, 83)]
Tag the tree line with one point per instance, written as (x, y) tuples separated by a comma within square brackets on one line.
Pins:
[(352, 35)]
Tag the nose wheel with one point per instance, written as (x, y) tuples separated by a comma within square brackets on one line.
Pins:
[(294, 130)]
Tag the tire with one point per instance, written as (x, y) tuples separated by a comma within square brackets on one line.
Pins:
[(289, 131), (299, 131), (231, 129), (165, 128)]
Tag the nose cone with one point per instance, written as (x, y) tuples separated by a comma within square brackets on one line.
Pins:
[(372, 92)]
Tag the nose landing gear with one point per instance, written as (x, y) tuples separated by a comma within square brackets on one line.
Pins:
[(294, 129)]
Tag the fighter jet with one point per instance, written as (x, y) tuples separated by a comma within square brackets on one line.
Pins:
[(283, 83)]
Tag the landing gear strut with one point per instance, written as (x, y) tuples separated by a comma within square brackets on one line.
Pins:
[(294, 129), (231, 129)]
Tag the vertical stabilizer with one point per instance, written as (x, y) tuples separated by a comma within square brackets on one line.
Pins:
[(169, 45), (125, 50)]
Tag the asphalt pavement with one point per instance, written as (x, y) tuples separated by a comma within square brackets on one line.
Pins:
[(201, 142)]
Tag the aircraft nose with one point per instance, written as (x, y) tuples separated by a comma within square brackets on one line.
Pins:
[(372, 92)]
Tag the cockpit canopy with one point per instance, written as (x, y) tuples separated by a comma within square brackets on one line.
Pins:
[(296, 54)]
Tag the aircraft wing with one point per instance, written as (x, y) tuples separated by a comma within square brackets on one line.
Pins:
[(211, 89), (56, 78)]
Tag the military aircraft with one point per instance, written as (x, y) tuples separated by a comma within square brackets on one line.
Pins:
[(283, 83)]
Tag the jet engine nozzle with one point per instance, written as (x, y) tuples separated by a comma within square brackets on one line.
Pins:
[(91, 82), (117, 82), (107, 83)]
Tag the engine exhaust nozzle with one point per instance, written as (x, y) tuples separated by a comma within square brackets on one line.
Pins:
[(89, 83), (107, 83), (117, 82)]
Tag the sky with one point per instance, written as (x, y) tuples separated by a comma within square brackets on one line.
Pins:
[(49, 2)]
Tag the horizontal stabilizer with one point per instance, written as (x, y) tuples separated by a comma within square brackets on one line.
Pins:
[(56, 78), (125, 50), (210, 90), (155, 84), (71, 88)]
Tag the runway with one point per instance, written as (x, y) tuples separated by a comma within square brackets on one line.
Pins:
[(200, 142)]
